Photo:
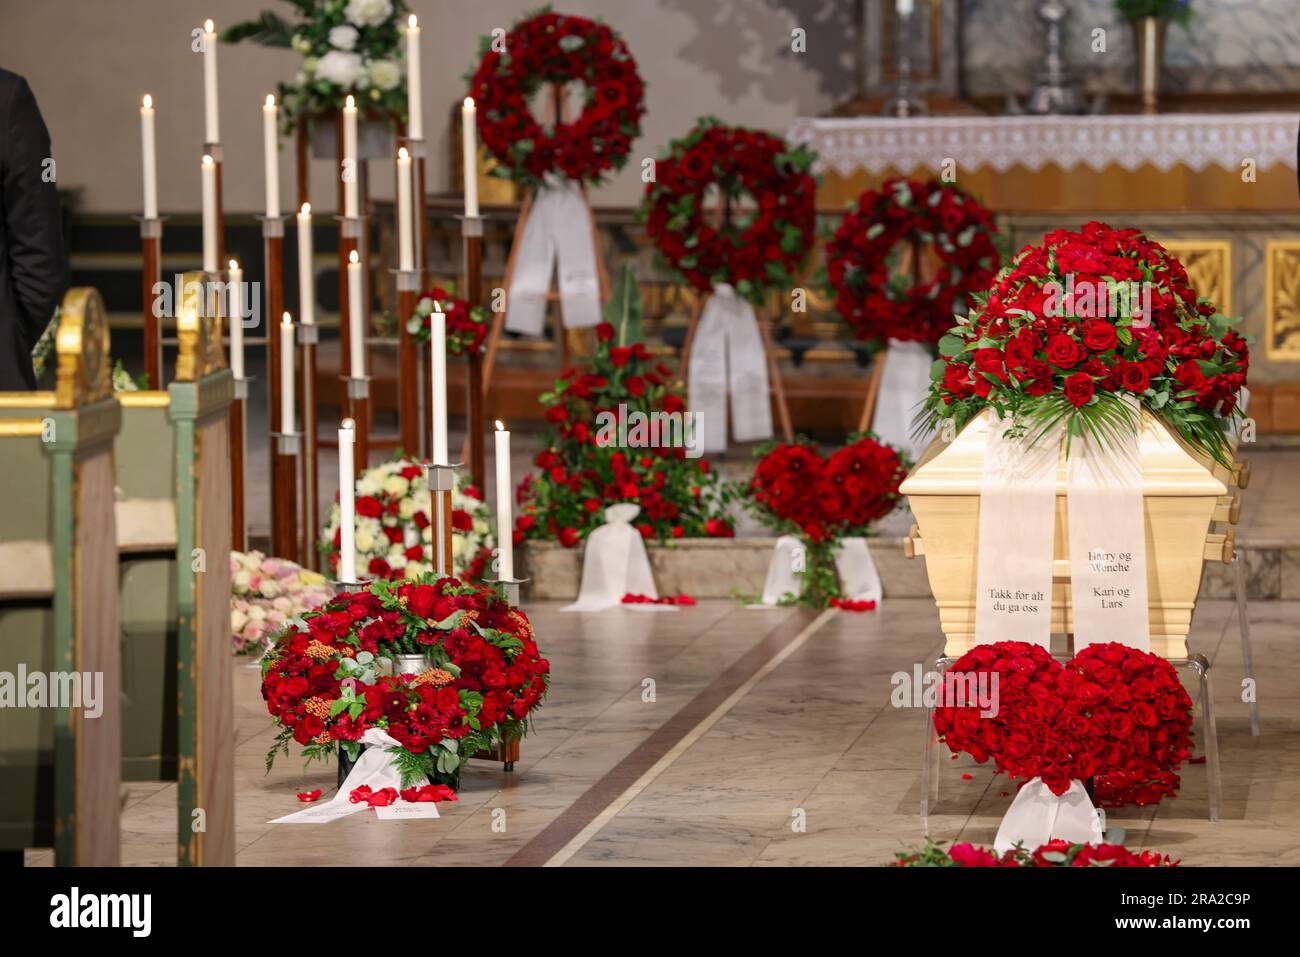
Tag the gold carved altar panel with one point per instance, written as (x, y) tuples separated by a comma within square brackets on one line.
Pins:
[(1282, 300)]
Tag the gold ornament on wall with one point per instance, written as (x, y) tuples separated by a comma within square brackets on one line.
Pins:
[(1209, 268), (1282, 302)]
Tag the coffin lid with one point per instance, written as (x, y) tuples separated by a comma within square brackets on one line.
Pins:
[(1169, 465)]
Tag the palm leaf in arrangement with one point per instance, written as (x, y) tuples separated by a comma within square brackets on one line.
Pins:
[(269, 29), (624, 310)]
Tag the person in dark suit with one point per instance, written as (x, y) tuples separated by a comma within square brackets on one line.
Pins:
[(32, 264)]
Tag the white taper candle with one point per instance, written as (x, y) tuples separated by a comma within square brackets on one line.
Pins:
[(414, 121), (208, 174), (438, 383), (147, 143), (347, 503), (469, 155), (235, 317), (350, 171), (287, 424), (505, 496), (270, 148), (211, 128), (356, 318), (306, 284), (405, 254)]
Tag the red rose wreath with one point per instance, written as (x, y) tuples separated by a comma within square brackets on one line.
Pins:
[(754, 249), (1112, 713), (880, 306), (552, 48), (795, 490)]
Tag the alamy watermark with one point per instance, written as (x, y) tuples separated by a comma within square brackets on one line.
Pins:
[(53, 689), (951, 689), (649, 430)]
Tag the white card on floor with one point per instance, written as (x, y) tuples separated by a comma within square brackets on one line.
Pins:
[(321, 813), (408, 811)]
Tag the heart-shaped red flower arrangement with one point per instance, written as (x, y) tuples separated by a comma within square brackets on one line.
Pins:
[(1111, 713), (797, 489)]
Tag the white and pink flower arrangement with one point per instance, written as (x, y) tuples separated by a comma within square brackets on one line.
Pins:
[(266, 594)]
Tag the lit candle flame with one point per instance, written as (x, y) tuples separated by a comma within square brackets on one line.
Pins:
[(353, 257), (403, 154), (437, 306), (286, 321), (209, 26), (347, 424), (147, 102), (500, 426), (234, 266), (306, 209), (468, 104), (207, 160), (349, 103), (412, 22), (270, 100)]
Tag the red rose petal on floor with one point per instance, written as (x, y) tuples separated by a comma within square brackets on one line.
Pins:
[(308, 796)]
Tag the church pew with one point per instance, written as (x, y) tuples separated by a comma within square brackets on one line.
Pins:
[(147, 582), (61, 766), (199, 408)]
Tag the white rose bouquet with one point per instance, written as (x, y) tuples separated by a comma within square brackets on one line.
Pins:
[(348, 47), (394, 525)]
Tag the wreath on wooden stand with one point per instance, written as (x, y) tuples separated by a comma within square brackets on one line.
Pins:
[(949, 247), (753, 239)]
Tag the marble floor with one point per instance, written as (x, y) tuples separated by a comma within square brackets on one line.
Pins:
[(718, 735)]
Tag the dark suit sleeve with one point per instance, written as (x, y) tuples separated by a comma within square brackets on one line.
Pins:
[(32, 220)]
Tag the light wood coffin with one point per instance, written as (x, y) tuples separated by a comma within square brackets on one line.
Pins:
[(1180, 496)]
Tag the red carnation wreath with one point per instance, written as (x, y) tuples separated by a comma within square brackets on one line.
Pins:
[(756, 249), (466, 325), (1112, 713), (328, 680), (880, 306), (558, 49)]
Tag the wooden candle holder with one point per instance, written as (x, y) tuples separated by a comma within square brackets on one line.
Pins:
[(351, 231), (214, 150), (151, 275), (471, 229), (308, 338), (284, 492), (408, 367), (273, 256), (357, 389)]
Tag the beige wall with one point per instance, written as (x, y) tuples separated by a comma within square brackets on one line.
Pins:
[(89, 62)]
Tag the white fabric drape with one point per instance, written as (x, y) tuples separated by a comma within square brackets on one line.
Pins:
[(615, 564), (1037, 816), (558, 229), (784, 571), (1108, 549), (1013, 600), (859, 580), (727, 359), (376, 767), (904, 384)]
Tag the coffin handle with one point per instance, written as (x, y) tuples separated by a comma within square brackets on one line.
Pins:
[(912, 545), (1228, 508), (1219, 546), (1241, 473)]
